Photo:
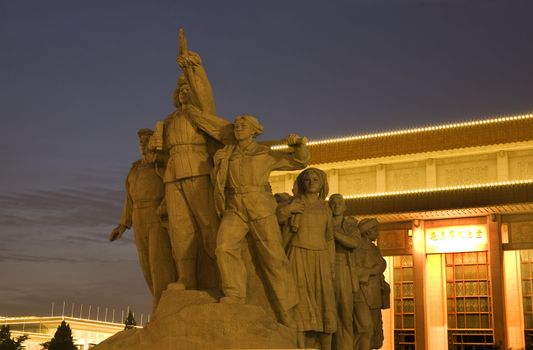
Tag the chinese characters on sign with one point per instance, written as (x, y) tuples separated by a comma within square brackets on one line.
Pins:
[(456, 239)]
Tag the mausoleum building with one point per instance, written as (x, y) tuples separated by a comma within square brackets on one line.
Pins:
[(455, 206)]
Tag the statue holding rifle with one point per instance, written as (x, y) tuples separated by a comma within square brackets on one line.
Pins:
[(245, 201)]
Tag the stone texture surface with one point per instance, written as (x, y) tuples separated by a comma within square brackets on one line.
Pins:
[(194, 320)]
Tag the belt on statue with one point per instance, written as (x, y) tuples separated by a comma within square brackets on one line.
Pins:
[(139, 204), (248, 189), (200, 147)]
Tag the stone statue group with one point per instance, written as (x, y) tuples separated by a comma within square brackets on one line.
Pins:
[(201, 190)]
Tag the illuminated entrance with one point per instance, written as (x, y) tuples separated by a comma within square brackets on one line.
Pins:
[(463, 283), (443, 273)]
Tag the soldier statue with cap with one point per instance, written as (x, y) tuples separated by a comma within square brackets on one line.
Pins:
[(144, 193), (189, 136)]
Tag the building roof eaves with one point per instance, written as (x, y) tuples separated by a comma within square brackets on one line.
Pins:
[(458, 198), (420, 140)]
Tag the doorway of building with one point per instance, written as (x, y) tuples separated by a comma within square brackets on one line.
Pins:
[(469, 301)]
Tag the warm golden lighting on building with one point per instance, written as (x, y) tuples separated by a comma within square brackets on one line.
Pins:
[(415, 130), (437, 189), (455, 206)]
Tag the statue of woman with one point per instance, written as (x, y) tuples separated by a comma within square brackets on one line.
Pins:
[(310, 246)]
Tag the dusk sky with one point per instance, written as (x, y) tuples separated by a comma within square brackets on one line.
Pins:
[(79, 78)]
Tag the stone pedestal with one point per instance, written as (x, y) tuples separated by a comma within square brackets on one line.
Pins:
[(194, 320)]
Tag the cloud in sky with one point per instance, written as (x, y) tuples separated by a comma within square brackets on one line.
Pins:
[(51, 225), (63, 207), (54, 247), (36, 225)]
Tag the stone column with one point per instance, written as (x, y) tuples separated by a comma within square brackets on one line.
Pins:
[(502, 166), (381, 178), (497, 285), (419, 270)]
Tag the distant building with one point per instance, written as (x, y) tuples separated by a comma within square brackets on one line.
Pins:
[(86, 333), (455, 206)]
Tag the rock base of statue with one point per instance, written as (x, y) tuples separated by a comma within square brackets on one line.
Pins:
[(189, 319)]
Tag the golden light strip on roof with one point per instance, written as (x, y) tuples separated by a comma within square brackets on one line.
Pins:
[(415, 130), (439, 189)]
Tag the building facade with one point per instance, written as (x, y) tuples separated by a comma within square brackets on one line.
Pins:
[(455, 206)]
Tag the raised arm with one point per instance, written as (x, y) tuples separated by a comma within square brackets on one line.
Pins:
[(194, 71), (217, 127)]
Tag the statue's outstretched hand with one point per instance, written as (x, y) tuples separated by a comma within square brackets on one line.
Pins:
[(155, 142), (293, 140), (117, 232)]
